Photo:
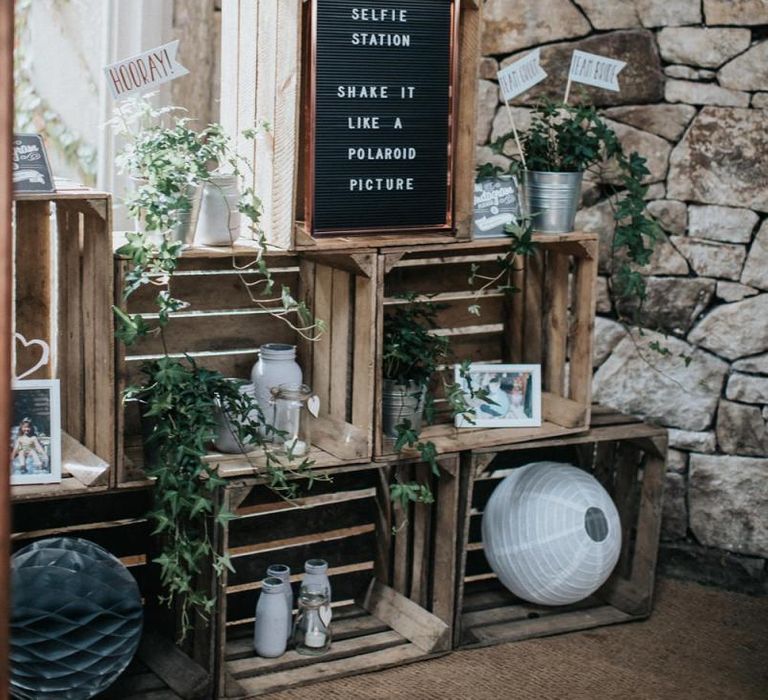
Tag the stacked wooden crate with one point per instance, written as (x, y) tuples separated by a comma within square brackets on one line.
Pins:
[(63, 284), (391, 573), (628, 457)]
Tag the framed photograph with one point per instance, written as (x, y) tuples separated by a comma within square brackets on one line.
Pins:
[(35, 432), (512, 396)]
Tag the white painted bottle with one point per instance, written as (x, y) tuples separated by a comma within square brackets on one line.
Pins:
[(283, 572), (277, 365), (270, 630), (316, 578)]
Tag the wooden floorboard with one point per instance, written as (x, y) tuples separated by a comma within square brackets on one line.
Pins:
[(326, 670), (259, 666)]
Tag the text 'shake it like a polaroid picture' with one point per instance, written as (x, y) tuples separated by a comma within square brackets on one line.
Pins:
[(500, 396), (35, 432), (31, 170)]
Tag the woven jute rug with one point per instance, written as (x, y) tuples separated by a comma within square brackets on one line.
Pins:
[(700, 643)]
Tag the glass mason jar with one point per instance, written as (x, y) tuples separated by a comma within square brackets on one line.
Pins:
[(316, 577), (291, 420), (312, 636)]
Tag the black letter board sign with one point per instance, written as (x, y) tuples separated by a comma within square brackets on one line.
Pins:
[(381, 101)]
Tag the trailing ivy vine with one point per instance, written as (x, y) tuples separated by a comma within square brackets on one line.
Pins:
[(182, 403), (565, 138)]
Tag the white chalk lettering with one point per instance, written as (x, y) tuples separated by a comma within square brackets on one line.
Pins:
[(380, 39), (362, 122), (384, 153), (363, 92), (379, 184)]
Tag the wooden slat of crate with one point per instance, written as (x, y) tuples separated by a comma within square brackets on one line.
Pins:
[(34, 289), (545, 323), (260, 67), (629, 458), (466, 117), (349, 523)]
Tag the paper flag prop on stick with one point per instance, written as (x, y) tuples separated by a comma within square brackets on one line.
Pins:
[(144, 71), (521, 75), (591, 69), (518, 77)]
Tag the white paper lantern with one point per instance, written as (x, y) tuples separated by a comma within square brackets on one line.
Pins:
[(551, 533)]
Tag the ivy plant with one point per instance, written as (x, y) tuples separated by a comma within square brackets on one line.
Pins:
[(180, 400), (566, 138)]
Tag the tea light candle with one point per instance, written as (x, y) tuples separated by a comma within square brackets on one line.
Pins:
[(296, 447), (314, 639)]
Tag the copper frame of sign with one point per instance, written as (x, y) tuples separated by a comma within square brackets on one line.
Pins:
[(309, 106)]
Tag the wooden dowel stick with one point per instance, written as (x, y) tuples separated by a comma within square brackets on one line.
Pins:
[(515, 134)]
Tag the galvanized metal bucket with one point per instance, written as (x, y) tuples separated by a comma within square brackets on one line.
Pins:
[(186, 221), (401, 402), (551, 200)]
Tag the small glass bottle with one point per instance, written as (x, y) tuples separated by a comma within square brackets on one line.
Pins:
[(283, 572), (316, 577), (312, 635), (270, 629), (291, 420)]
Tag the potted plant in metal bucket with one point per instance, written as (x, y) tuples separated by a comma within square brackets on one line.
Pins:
[(561, 143), (411, 357)]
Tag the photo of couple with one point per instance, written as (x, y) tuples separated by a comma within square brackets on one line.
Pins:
[(501, 396)]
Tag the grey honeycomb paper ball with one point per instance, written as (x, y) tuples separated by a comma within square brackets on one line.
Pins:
[(76, 619)]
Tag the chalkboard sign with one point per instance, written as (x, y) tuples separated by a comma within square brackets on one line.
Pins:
[(31, 172), (496, 204), (381, 106)]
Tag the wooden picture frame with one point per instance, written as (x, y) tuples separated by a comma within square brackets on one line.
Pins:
[(309, 118), (515, 393), (35, 432)]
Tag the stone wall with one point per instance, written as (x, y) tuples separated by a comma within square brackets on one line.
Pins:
[(694, 102)]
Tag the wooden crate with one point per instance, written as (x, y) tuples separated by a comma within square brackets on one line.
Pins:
[(223, 329), (628, 457), (62, 297), (392, 593), (549, 322), (261, 81), (117, 521)]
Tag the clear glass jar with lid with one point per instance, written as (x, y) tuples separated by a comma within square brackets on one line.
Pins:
[(292, 420), (312, 636)]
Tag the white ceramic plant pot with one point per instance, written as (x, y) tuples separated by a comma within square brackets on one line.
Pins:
[(226, 433), (219, 221)]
